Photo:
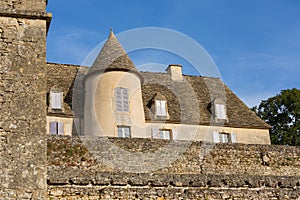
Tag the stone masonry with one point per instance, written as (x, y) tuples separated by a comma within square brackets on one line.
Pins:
[(22, 99), (203, 171)]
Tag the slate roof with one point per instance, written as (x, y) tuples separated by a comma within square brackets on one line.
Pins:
[(189, 101), (112, 57)]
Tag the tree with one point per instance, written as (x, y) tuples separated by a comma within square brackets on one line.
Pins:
[(282, 112)]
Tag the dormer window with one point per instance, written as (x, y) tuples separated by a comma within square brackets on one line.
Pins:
[(122, 99), (220, 111), (158, 107), (161, 108), (56, 100)]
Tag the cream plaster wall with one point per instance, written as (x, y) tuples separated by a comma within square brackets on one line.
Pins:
[(68, 124), (204, 133), (101, 117)]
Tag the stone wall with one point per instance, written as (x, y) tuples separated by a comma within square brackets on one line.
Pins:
[(22, 99), (203, 171), (23, 6)]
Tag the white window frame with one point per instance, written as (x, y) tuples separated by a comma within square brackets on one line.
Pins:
[(124, 131), (224, 137), (161, 108), (122, 99), (220, 111), (164, 134), (56, 128), (56, 100)]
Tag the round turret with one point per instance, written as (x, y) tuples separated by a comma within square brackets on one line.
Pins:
[(113, 96)]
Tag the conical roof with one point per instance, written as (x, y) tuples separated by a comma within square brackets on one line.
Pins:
[(112, 57)]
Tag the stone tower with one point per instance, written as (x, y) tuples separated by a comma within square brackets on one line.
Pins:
[(113, 101), (23, 29)]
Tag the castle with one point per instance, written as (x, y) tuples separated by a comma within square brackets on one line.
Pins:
[(219, 151), (120, 101)]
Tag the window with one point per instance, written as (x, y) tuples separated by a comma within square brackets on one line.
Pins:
[(56, 128), (124, 132), (224, 137), (161, 108), (220, 111), (122, 102), (56, 100), (162, 134)]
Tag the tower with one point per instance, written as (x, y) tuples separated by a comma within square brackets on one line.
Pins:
[(113, 98), (23, 28)]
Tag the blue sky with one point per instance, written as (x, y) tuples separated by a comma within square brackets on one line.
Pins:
[(255, 44)]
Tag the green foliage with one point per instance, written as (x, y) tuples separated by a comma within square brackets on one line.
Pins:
[(282, 112)]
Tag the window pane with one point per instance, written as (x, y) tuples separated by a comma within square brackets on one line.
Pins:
[(167, 134), (124, 131), (224, 137), (120, 132), (164, 134), (53, 128), (127, 132)]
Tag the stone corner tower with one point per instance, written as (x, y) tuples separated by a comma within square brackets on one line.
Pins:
[(23, 29)]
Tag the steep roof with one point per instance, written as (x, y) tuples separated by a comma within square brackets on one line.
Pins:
[(112, 57), (188, 101)]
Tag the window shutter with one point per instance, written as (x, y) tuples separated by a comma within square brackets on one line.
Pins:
[(122, 100), (155, 133), (118, 95), (216, 137), (233, 138), (53, 128), (56, 98), (220, 111), (163, 108), (174, 134), (158, 108), (125, 100), (60, 128)]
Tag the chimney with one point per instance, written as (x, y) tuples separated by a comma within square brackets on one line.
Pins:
[(175, 71)]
